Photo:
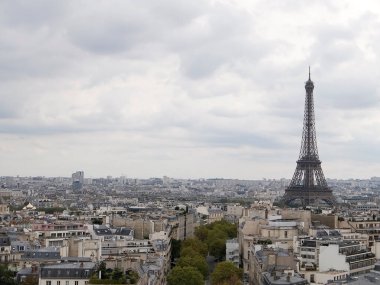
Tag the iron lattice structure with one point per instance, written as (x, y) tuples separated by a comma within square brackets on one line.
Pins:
[(308, 184)]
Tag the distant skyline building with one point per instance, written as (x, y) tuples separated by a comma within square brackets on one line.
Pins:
[(78, 180), (308, 185)]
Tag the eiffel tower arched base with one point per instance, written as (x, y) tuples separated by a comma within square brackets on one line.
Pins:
[(307, 197)]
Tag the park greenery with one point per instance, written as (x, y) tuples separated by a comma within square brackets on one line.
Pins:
[(190, 255)]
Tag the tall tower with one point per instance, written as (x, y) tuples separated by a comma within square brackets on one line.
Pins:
[(78, 180), (308, 184)]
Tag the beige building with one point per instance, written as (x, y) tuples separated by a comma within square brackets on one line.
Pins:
[(215, 215), (273, 260), (142, 226), (4, 208), (280, 232), (5, 249), (235, 210), (366, 225), (184, 226), (248, 234)]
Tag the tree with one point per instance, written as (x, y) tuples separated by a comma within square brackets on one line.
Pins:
[(216, 234), (195, 245), (97, 221), (185, 276), (226, 227), (132, 276), (6, 276), (117, 274), (217, 248), (30, 280), (201, 233), (176, 248), (102, 268), (196, 261), (226, 273)]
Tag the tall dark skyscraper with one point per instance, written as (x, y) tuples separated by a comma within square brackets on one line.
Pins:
[(308, 185), (78, 180)]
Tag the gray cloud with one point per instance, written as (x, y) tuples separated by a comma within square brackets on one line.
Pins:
[(149, 89)]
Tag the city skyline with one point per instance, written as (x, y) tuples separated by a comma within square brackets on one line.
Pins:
[(187, 90)]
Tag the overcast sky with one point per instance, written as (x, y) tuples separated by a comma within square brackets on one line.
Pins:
[(187, 89)]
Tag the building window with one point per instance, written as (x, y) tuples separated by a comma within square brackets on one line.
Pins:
[(48, 282), (286, 234), (58, 282), (76, 282), (67, 282)]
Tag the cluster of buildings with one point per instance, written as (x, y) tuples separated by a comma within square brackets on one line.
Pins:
[(66, 248), (68, 252), (130, 224), (293, 246)]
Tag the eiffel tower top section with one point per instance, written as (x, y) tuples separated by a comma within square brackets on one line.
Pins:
[(309, 150)]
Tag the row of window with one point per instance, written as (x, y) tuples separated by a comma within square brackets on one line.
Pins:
[(361, 226), (361, 264), (308, 249), (308, 256), (66, 283), (59, 272)]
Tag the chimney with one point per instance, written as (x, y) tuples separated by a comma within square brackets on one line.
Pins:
[(288, 277)]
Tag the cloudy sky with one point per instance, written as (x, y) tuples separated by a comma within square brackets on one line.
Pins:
[(187, 89)]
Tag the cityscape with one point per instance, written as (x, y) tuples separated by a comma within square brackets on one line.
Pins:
[(173, 231), (135, 135)]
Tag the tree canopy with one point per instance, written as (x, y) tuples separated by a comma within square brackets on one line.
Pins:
[(185, 276), (6, 276), (176, 248), (196, 261), (215, 236), (195, 245), (226, 273), (30, 280)]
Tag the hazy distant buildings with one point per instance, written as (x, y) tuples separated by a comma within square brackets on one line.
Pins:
[(78, 180)]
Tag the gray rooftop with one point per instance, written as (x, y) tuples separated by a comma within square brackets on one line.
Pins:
[(77, 270), (123, 231), (42, 253), (282, 280), (367, 279)]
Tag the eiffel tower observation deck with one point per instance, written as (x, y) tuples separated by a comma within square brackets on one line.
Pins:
[(308, 185)]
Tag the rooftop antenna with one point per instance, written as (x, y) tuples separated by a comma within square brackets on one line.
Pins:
[(309, 72)]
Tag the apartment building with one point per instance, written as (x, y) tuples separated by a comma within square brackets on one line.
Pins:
[(78, 273), (232, 251)]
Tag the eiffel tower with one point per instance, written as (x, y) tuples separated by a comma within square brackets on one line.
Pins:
[(308, 185)]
